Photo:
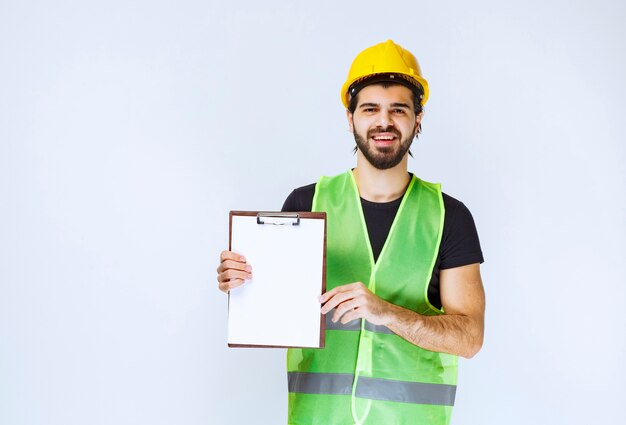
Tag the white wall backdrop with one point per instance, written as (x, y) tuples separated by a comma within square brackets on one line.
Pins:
[(129, 129)]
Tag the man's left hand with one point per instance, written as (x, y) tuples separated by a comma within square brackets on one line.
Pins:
[(355, 301)]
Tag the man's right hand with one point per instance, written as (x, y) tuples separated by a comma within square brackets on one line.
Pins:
[(232, 271)]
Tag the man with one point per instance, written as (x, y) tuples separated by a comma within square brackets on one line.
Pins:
[(401, 255)]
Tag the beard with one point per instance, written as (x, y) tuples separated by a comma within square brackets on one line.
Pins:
[(385, 157)]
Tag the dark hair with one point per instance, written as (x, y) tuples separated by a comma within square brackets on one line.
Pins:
[(417, 95)]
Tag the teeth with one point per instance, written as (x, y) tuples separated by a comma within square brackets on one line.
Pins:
[(383, 138)]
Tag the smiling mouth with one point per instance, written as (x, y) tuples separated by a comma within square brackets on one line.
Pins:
[(385, 139)]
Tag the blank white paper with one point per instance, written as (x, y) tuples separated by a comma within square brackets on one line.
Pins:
[(280, 304)]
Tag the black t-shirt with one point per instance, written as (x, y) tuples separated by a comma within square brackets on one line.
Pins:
[(460, 245)]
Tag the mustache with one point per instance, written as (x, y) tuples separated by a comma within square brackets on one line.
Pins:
[(379, 130)]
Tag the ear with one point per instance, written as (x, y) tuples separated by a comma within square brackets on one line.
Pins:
[(349, 116), (418, 122), (418, 118)]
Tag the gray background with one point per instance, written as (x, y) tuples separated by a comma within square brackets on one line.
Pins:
[(129, 129)]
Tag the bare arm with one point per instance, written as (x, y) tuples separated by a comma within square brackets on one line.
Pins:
[(459, 331)]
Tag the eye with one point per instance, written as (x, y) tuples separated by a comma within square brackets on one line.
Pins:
[(399, 111)]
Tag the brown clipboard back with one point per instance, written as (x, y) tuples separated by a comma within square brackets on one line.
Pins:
[(303, 215)]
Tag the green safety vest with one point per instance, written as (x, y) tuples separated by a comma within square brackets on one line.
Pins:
[(367, 374)]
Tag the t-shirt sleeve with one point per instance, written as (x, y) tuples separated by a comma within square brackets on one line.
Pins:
[(460, 245), (290, 203), (300, 199)]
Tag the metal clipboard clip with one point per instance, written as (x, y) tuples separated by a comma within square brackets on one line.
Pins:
[(280, 219)]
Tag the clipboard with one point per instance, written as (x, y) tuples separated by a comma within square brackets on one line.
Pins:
[(279, 307)]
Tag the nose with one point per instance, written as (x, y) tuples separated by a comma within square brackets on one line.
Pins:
[(384, 119)]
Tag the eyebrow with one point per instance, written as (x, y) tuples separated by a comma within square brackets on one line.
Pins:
[(376, 105)]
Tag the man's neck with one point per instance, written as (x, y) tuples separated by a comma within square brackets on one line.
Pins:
[(381, 185)]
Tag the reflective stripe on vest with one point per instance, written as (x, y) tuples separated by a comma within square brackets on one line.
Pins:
[(372, 388), (367, 374)]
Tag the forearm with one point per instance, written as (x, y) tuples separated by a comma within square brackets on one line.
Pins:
[(449, 333), (459, 331)]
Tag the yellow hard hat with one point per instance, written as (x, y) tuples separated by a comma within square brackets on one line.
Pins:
[(390, 62)]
